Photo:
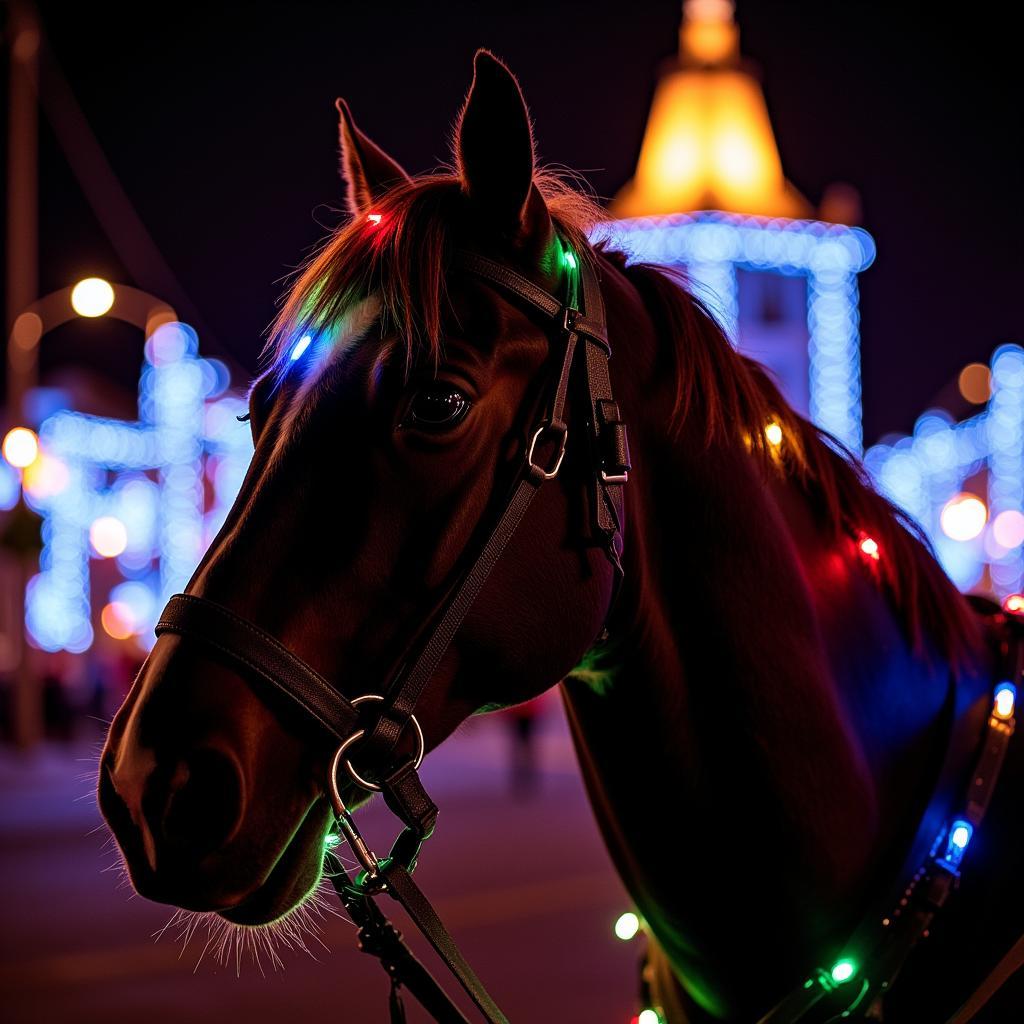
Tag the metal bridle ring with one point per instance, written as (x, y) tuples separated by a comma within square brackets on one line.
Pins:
[(339, 754)]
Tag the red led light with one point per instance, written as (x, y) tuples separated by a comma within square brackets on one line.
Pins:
[(1014, 604), (869, 547), (373, 218)]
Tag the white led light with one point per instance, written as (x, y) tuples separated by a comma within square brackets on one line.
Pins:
[(300, 346)]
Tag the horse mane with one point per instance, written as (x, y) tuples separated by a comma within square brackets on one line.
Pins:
[(736, 398), (400, 254)]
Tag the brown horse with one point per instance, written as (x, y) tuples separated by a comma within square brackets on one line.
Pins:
[(760, 729)]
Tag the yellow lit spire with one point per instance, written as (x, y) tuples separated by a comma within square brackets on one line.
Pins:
[(709, 143)]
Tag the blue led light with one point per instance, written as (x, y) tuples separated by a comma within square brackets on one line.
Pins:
[(960, 833), (1004, 700), (300, 346)]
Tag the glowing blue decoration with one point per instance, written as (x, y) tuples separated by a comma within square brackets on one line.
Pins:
[(300, 346), (960, 833), (1005, 700), (714, 245), (139, 597), (10, 486), (111, 468), (922, 472), (1006, 461)]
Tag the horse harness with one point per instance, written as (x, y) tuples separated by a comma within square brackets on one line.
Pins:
[(373, 723), (856, 984)]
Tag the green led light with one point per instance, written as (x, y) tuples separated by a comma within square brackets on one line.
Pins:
[(649, 1017), (570, 259), (331, 840), (627, 926), (843, 970)]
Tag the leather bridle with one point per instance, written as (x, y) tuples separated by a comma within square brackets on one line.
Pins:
[(374, 738)]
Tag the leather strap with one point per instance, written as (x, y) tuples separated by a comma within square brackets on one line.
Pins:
[(999, 976), (379, 938), (589, 322), (256, 651), (405, 692), (403, 889)]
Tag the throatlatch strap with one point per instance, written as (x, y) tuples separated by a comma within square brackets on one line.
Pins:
[(258, 652)]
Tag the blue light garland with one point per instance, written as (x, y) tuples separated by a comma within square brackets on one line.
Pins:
[(713, 245)]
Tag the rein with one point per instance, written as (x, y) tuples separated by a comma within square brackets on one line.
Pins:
[(376, 737)]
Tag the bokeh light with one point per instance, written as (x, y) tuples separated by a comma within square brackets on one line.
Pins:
[(45, 477), (975, 383), (963, 517), (108, 536), (10, 487), (92, 297), (1008, 528), (20, 447), (117, 620)]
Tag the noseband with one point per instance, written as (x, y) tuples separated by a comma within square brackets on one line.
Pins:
[(374, 738)]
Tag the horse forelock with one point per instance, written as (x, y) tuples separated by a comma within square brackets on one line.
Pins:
[(400, 252)]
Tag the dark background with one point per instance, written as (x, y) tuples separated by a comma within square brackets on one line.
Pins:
[(219, 121)]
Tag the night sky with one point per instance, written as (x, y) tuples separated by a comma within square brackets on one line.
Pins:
[(220, 124)]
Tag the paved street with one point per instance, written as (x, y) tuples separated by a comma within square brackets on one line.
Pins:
[(523, 883)]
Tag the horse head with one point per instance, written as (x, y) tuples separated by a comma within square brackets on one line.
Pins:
[(388, 431)]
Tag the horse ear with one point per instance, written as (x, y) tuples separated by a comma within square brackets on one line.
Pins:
[(494, 144), (367, 170)]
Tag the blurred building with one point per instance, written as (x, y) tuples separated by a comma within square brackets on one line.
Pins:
[(962, 480), (106, 515), (709, 194)]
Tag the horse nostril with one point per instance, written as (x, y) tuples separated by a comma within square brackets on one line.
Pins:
[(205, 803)]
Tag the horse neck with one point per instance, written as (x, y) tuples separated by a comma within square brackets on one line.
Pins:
[(738, 720)]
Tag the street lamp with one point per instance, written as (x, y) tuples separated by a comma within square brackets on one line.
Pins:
[(92, 297)]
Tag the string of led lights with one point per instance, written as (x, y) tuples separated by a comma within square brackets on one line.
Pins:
[(867, 967)]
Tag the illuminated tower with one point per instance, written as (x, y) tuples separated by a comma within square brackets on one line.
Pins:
[(709, 193)]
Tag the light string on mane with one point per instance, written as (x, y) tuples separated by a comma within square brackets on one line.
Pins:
[(399, 254)]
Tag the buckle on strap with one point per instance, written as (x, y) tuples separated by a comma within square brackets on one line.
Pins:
[(559, 431), (410, 802)]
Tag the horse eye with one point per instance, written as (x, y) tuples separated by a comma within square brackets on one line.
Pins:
[(436, 407)]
